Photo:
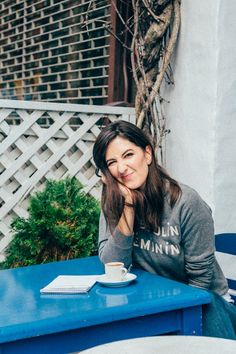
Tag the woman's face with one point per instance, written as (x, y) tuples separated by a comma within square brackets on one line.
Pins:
[(127, 162)]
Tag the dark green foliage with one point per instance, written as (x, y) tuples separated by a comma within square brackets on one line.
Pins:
[(62, 224)]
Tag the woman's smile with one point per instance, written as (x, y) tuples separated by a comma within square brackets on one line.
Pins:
[(127, 177)]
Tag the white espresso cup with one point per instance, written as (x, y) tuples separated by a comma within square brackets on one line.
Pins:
[(115, 271)]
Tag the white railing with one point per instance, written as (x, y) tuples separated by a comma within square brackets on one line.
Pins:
[(40, 141)]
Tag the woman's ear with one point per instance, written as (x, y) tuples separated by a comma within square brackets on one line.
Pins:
[(148, 154)]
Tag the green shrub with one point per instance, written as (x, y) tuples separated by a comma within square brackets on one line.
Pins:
[(62, 224)]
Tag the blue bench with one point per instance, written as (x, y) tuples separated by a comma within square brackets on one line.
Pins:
[(226, 255)]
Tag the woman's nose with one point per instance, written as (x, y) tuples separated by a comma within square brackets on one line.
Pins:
[(121, 168)]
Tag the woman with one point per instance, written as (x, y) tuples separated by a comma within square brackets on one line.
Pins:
[(151, 221)]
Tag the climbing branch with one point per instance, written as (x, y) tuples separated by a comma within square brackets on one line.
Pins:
[(153, 30)]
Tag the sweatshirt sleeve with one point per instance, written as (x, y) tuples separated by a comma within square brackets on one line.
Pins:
[(198, 241), (114, 247)]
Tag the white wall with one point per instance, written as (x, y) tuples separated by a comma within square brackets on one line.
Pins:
[(201, 148), (225, 152)]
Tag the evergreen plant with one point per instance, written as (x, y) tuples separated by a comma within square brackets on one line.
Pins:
[(62, 224)]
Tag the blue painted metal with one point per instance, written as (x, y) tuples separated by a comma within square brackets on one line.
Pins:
[(226, 243), (35, 323)]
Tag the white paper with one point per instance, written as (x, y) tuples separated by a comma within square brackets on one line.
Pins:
[(70, 284)]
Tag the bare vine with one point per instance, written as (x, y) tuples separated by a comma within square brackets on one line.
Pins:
[(153, 27)]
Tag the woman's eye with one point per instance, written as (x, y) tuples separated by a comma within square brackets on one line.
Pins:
[(129, 154), (110, 163)]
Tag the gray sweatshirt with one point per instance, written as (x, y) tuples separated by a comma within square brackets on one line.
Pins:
[(181, 249)]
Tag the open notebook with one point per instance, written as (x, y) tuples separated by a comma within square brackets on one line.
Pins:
[(70, 284)]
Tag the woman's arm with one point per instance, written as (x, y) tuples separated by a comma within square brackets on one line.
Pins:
[(197, 230), (117, 246), (126, 222)]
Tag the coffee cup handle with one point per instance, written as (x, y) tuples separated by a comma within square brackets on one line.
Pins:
[(124, 272)]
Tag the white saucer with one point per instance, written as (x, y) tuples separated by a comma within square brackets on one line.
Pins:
[(103, 280)]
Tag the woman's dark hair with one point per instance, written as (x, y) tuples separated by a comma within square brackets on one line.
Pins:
[(148, 202)]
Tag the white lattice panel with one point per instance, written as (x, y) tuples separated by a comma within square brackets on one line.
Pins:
[(40, 141)]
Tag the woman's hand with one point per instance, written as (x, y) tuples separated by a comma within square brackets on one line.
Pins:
[(125, 191), (126, 222)]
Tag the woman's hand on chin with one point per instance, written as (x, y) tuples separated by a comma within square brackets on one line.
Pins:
[(126, 193)]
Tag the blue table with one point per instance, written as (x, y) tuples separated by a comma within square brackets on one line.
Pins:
[(35, 323)]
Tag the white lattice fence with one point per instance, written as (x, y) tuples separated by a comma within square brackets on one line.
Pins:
[(40, 141)]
